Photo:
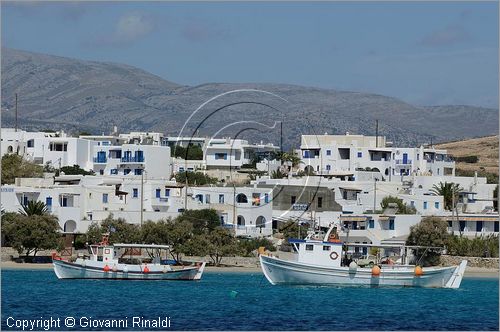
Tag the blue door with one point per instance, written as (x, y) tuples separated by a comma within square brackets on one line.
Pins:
[(405, 158)]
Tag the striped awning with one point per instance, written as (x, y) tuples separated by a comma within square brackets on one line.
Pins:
[(353, 218), (470, 218)]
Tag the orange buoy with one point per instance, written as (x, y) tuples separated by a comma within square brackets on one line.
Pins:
[(376, 271), (146, 269), (418, 271), (106, 268)]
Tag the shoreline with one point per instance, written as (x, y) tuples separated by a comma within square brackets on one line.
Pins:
[(470, 272)]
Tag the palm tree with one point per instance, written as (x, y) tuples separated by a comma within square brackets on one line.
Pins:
[(34, 208), (449, 191)]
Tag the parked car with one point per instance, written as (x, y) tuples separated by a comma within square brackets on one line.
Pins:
[(366, 260)]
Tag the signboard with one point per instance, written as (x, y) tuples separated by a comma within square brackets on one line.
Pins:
[(300, 207)]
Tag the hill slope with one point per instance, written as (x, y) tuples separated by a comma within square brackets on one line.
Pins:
[(485, 148), (56, 92)]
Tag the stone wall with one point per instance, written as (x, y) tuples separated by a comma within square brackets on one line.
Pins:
[(490, 263)]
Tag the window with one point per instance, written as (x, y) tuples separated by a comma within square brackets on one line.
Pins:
[(181, 169), (391, 224), (207, 198), (158, 193), (266, 198), (479, 226), (167, 192), (328, 167), (462, 225), (326, 248), (418, 156), (425, 205), (138, 171), (412, 204), (135, 193), (114, 171), (293, 199), (436, 205), (328, 152), (255, 199), (48, 201), (320, 202), (31, 143), (371, 223), (360, 154), (495, 227), (450, 224), (101, 172), (219, 156), (309, 247), (64, 201), (126, 171), (104, 198), (221, 198)]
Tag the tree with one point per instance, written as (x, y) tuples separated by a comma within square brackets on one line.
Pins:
[(34, 208), (155, 232), (430, 232), (30, 234), (221, 243), (449, 191), (291, 157), (120, 231), (74, 170), (247, 246), (192, 152), (290, 229), (180, 232), (197, 178), (15, 166), (277, 174), (204, 221), (403, 208)]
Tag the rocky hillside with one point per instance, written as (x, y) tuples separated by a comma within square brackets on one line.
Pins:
[(484, 148), (56, 92)]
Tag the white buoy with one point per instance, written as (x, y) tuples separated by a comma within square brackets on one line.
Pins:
[(353, 267), (125, 269)]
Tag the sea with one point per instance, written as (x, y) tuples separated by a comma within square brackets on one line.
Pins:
[(238, 301)]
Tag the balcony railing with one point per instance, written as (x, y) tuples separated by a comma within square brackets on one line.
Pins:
[(133, 159), (100, 160), (403, 162)]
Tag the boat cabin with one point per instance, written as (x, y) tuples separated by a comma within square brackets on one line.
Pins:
[(317, 252), (122, 253)]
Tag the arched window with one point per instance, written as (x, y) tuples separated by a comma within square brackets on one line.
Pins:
[(241, 221), (260, 222), (10, 149), (70, 226), (241, 198)]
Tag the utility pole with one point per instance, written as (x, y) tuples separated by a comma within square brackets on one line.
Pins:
[(234, 209), (16, 112), (376, 134), (281, 141), (142, 195), (374, 195)]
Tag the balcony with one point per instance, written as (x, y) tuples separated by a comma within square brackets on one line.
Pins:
[(100, 160), (133, 159)]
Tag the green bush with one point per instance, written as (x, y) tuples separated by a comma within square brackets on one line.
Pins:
[(476, 247), (249, 245), (491, 178), (195, 178), (403, 208), (192, 152), (467, 159)]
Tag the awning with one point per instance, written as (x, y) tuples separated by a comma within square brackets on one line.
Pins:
[(353, 218), (351, 188), (385, 218), (464, 218)]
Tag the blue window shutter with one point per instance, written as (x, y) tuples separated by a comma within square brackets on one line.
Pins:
[(167, 192), (158, 193)]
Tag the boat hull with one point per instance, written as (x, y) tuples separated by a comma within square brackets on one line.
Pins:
[(68, 270), (279, 271)]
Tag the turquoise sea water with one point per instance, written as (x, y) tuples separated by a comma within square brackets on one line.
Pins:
[(246, 301)]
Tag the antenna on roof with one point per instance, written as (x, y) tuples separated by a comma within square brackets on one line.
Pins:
[(376, 133), (16, 111)]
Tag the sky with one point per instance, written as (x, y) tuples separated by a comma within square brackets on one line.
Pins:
[(424, 53)]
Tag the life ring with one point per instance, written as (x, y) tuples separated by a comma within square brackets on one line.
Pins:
[(334, 255)]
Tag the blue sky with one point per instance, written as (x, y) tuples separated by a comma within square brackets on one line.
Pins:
[(425, 53)]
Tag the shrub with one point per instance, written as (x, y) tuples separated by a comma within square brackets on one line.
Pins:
[(476, 247), (430, 232), (467, 159), (247, 246), (196, 178), (403, 208)]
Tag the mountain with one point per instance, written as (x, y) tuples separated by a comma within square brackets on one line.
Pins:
[(57, 92)]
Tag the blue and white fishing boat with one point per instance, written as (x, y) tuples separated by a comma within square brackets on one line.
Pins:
[(124, 261), (319, 262)]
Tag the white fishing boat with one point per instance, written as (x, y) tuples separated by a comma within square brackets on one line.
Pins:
[(125, 261), (319, 262)]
